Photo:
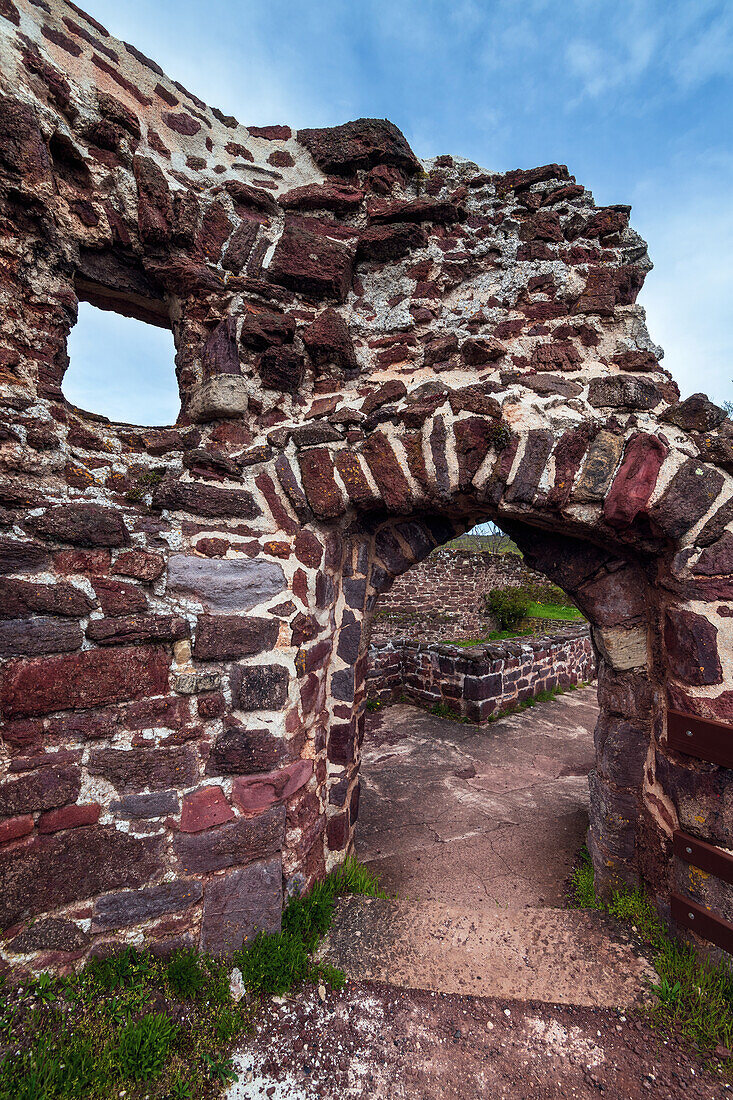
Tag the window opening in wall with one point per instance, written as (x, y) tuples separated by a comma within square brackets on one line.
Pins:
[(121, 368)]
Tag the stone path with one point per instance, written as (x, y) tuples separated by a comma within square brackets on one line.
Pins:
[(459, 813), (553, 955)]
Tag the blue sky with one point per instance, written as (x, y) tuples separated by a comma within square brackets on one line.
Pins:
[(635, 96)]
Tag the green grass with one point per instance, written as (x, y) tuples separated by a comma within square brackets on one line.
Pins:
[(493, 636), (553, 611), (693, 996), (153, 1029)]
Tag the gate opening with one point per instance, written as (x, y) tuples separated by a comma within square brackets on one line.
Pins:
[(478, 745)]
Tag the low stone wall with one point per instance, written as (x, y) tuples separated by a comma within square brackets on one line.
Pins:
[(479, 681)]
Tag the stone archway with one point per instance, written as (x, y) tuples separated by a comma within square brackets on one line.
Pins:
[(372, 353)]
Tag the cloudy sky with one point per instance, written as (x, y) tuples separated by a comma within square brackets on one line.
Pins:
[(635, 96)]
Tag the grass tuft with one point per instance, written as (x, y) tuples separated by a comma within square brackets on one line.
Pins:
[(184, 973), (694, 996), (142, 1048)]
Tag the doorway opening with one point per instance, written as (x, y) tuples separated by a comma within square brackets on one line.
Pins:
[(478, 745)]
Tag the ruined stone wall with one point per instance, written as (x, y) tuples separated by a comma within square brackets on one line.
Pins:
[(373, 354), (442, 597), (479, 681)]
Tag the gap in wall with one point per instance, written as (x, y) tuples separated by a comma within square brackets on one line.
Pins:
[(121, 368), (464, 814)]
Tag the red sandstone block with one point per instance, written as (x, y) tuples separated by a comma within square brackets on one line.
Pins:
[(82, 680), (255, 793), (14, 827), (203, 809), (69, 817)]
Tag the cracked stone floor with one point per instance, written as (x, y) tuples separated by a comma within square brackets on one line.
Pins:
[(463, 814)]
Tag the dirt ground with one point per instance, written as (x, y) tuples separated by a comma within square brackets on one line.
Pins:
[(374, 1041)]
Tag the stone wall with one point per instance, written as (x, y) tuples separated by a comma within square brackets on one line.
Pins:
[(479, 681), (442, 597), (373, 354)]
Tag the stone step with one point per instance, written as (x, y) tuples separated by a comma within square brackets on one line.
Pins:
[(558, 956)]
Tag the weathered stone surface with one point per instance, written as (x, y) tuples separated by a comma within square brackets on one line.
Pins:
[(157, 804), (85, 679), (557, 355), (623, 648), (136, 769), (623, 391), (615, 598), (118, 597), (252, 794), (474, 437), (230, 636), (634, 483), (600, 464), (360, 144), (267, 330), (310, 263), (69, 817), (81, 525), (259, 687), (137, 628), (140, 564), (20, 599), (52, 934), (691, 643), (690, 494), (390, 242), (237, 842), (329, 343), (204, 500), (128, 907), (204, 808), (17, 556), (41, 790), (321, 490), (219, 398), (338, 197), (221, 351), (282, 368), (716, 559), (387, 472), (225, 585), (64, 867), (15, 827), (35, 636), (695, 413), (243, 750), (240, 904), (531, 467)]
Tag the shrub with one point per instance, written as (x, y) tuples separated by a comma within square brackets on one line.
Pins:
[(508, 606)]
